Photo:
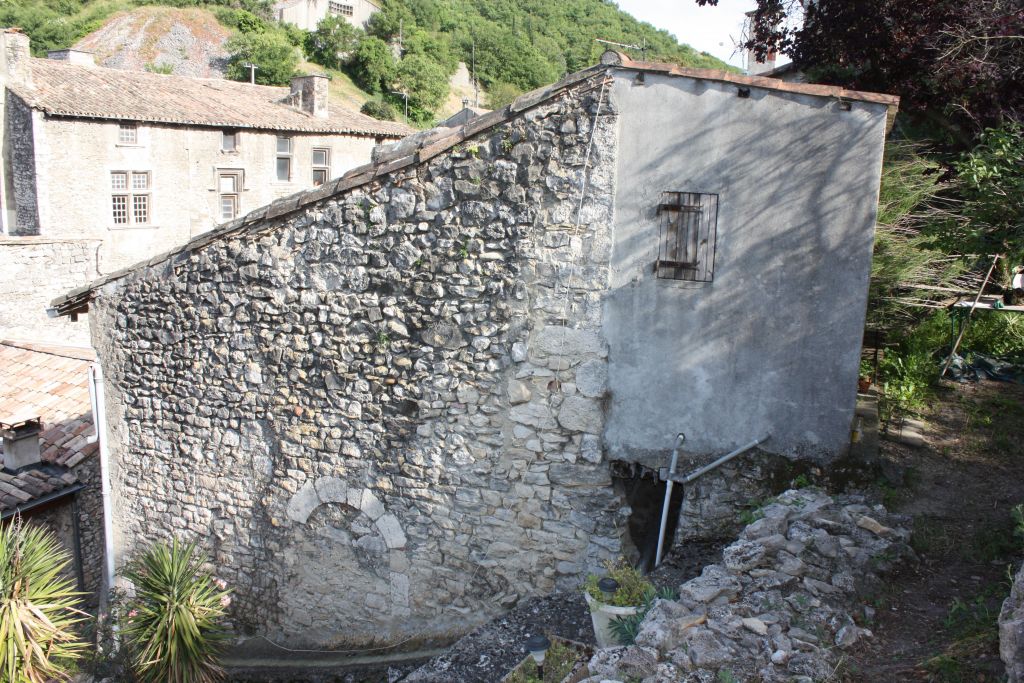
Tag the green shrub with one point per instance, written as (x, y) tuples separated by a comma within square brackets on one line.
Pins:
[(633, 587), (172, 627), (379, 109), (38, 612), (271, 52), (373, 66)]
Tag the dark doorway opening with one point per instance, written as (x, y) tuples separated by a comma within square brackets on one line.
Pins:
[(645, 494)]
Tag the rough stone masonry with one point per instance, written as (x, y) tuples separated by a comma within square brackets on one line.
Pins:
[(372, 414), (386, 407)]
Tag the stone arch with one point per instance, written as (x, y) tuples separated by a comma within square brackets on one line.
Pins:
[(328, 490)]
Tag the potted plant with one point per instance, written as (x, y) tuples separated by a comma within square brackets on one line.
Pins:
[(618, 603)]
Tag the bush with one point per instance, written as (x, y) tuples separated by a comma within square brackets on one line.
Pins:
[(373, 66), (633, 587), (333, 43), (426, 83), (379, 109), (38, 612), (501, 94), (172, 627), (274, 56)]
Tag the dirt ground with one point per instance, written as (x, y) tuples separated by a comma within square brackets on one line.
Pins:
[(936, 621)]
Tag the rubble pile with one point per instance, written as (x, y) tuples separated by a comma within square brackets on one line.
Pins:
[(782, 605)]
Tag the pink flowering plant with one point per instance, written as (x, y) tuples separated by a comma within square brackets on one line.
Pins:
[(173, 626)]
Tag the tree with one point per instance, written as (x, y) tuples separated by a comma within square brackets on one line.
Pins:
[(373, 66), (333, 43), (274, 56), (426, 84), (960, 64), (990, 185)]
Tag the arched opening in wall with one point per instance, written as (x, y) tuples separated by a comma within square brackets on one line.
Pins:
[(645, 494), (336, 576)]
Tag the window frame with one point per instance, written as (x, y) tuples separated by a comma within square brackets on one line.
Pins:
[(285, 156), (224, 135), (124, 128), (130, 199), (322, 168), (238, 175)]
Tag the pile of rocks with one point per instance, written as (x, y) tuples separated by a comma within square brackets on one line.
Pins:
[(779, 606)]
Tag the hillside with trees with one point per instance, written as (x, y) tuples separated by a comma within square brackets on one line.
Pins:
[(410, 46)]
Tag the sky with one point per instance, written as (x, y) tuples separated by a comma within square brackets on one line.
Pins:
[(708, 29)]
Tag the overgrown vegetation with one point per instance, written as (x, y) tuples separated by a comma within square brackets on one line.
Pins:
[(410, 46), (38, 607)]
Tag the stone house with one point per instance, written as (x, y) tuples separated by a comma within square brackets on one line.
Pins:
[(103, 167), (306, 14), (391, 406), (49, 472)]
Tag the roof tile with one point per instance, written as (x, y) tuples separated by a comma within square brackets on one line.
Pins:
[(62, 89)]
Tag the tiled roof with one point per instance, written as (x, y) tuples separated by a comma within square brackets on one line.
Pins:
[(63, 89), (425, 145), (50, 382)]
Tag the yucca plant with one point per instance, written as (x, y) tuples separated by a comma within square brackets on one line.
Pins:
[(38, 606), (173, 625)]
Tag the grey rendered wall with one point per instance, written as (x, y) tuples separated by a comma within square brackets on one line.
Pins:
[(772, 345)]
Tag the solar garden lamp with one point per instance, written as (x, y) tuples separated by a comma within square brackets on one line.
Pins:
[(538, 646), (608, 586)]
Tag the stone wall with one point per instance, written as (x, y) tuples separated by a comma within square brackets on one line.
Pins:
[(35, 271), (59, 518), (20, 141), (183, 164), (381, 414)]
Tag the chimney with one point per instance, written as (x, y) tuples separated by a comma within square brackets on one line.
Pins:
[(21, 442), (309, 93), (72, 56), (14, 56)]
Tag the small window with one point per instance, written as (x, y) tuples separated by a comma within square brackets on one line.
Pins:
[(130, 197), (229, 187), (340, 8), (321, 165), (127, 134), (687, 236), (229, 141), (284, 159)]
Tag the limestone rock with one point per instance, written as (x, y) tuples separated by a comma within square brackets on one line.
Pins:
[(581, 414), (592, 378)]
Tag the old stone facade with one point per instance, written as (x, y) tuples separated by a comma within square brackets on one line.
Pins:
[(373, 413), (34, 267), (306, 14), (133, 164), (384, 406)]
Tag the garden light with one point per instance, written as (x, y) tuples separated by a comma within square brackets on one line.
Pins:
[(538, 646), (608, 586)]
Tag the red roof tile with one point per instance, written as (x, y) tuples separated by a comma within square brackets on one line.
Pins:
[(63, 89), (50, 382)]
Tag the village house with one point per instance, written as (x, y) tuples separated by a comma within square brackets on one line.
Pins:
[(49, 472), (393, 406), (306, 14), (103, 167)]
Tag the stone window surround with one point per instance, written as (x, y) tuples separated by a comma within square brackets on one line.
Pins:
[(239, 177), (130, 192)]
